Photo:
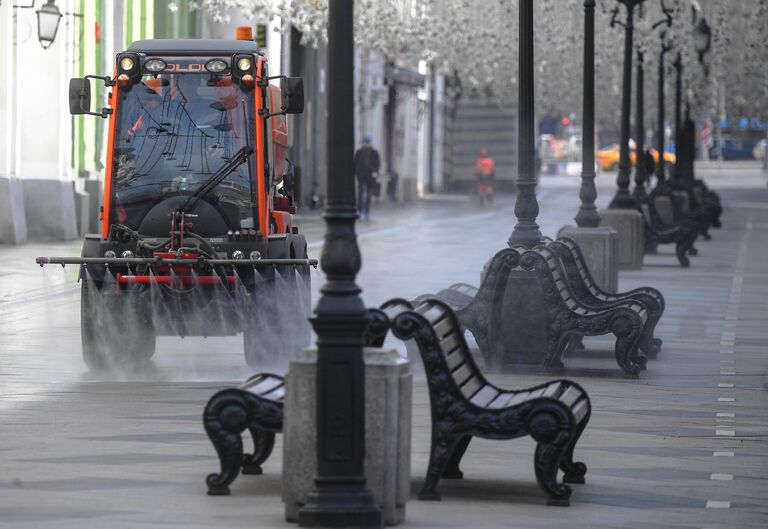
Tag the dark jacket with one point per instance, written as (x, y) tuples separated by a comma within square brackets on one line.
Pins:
[(366, 163)]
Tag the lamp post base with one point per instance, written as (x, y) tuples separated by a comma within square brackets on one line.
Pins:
[(623, 200), (340, 508)]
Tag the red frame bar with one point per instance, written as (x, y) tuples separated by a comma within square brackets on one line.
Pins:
[(168, 280)]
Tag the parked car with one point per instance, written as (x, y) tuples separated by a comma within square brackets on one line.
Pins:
[(733, 149), (608, 157)]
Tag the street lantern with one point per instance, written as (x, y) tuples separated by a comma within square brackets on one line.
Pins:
[(702, 38), (48, 18)]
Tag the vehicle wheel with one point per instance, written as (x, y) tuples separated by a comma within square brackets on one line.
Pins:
[(116, 330)]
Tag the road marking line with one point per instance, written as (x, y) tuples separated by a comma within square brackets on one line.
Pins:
[(727, 373), (714, 504), (724, 385), (721, 477), (722, 454), (725, 433), (726, 361), (726, 399), (725, 420), (725, 414)]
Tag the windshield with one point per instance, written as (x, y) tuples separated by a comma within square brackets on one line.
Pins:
[(173, 132)]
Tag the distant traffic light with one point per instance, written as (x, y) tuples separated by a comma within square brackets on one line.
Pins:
[(565, 121), (261, 36)]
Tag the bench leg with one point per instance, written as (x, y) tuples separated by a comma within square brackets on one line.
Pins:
[(452, 470), (225, 418), (550, 450), (263, 443), (439, 455), (574, 471), (557, 347), (630, 360), (648, 344)]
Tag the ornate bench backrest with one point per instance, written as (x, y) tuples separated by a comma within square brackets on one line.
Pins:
[(571, 257), (556, 274), (443, 348)]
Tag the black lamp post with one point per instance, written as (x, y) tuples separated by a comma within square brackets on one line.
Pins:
[(48, 18), (702, 35), (526, 231), (641, 170), (623, 199), (588, 217), (684, 129), (340, 498), (660, 166), (678, 64)]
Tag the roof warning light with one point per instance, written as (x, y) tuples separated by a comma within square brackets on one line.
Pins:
[(244, 33)]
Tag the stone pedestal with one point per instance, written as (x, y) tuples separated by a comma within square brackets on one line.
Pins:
[(50, 209), (600, 249), (682, 200), (630, 230), (664, 207), (522, 335), (388, 390), (13, 221)]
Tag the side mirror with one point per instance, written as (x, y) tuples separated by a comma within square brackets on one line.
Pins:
[(292, 92), (79, 96)]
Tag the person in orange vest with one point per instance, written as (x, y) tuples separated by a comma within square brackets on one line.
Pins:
[(484, 172)]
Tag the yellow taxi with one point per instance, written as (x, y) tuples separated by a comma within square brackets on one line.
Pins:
[(608, 157)]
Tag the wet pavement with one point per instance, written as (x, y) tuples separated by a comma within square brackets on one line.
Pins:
[(684, 446)]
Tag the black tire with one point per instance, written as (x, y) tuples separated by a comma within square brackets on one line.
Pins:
[(117, 331)]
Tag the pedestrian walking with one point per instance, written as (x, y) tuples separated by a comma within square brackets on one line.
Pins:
[(367, 171), (484, 172)]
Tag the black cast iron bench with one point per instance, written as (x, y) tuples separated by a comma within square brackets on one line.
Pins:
[(682, 234), (257, 405), (697, 213), (464, 404), (586, 289), (569, 318)]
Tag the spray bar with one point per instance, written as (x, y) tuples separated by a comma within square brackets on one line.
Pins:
[(135, 261)]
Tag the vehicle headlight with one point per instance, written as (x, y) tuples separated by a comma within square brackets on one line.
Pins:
[(218, 66), (255, 255), (127, 254), (244, 63), (238, 254), (126, 63), (110, 254), (154, 65)]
